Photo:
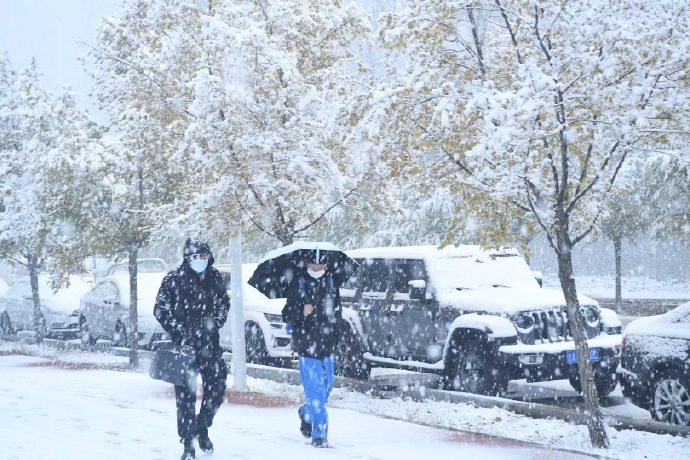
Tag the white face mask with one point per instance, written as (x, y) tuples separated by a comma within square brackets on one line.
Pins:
[(198, 265), (316, 275)]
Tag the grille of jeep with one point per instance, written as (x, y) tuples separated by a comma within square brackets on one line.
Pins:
[(551, 326)]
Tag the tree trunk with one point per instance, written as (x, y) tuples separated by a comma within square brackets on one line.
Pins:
[(132, 330), (595, 421), (39, 320), (617, 246)]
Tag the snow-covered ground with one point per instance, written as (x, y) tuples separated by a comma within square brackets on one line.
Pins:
[(101, 413), (633, 287), (52, 412)]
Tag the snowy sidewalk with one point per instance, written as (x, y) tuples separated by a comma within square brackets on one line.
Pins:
[(57, 413)]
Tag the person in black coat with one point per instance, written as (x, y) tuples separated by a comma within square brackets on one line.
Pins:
[(191, 306), (313, 310)]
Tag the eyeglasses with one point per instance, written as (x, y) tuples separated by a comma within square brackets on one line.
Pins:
[(198, 257)]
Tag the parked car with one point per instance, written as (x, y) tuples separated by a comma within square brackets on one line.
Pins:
[(478, 318), (267, 341), (17, 306), (104, 310), (655, 365)]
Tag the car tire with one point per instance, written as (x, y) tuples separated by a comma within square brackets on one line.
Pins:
[(349, 357), (471, 370), (255, 344), (605, 384), (6, 325), (120, 338), (86, 337), (671, 389)]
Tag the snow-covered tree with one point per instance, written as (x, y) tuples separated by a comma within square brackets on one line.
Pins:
[(666, 191), (627, 216), (42, 135), (533, 107), (133, 183)]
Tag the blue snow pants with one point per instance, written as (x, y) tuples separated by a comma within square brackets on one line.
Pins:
[(317, 380)]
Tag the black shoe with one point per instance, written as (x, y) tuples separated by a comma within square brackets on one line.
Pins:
[(304, 428), (205, 443), (188, 453), (320, 442)]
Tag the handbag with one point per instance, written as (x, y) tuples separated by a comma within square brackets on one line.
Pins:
[(175, 364)]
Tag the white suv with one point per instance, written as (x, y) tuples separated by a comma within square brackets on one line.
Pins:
[(266, 339)]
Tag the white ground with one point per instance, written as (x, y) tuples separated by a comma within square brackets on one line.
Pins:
[(633, 287), (50, 413)]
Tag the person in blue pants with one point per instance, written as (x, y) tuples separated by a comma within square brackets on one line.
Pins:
[(314, 312)]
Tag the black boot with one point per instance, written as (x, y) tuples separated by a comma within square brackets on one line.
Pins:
[(205, 443), (320, 442), (188, 453), (304, 428)]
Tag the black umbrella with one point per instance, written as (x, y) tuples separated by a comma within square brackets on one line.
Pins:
[(278, 268)]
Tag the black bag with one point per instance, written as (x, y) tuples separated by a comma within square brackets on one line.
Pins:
[(175, 364)]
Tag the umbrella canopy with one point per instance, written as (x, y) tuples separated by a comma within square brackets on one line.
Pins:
[(279, 267)]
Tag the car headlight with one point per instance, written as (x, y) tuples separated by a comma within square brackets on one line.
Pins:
[(524, 323), (273, 318), (591, 316)]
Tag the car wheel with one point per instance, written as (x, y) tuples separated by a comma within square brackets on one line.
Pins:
[(471, 371), (605, 384), (6, 325), (255, 344), (86, 337), (349, 359), (671, 398), (120, 335)]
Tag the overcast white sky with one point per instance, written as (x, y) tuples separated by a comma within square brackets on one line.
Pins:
[(49, 30)]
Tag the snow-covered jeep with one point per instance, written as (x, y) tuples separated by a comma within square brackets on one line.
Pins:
[(478, 318)]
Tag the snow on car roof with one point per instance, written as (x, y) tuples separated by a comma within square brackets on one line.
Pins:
[(507, 300), (659, 325), (427, 252), (65, 300)]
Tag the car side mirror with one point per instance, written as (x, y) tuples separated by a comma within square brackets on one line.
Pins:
[(417, 289)]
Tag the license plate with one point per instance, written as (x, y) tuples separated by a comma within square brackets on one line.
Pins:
[(571, 356)]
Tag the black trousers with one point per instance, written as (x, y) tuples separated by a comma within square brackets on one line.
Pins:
[(214, 375)]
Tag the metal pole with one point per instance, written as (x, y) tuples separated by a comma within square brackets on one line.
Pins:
[(239, 354)]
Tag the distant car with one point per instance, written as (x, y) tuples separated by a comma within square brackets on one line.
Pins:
[(143, 266), (266, 338), (655, 365), (17, 306), (104, 310)]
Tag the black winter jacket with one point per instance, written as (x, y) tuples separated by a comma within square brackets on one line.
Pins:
[(316, 335), (192, 308)]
